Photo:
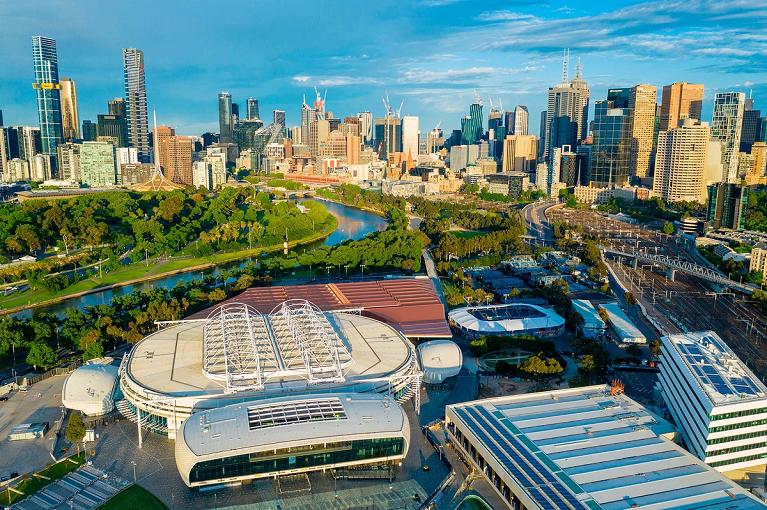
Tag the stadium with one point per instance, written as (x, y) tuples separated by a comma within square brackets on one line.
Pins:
[(507, 320), (239, 356)]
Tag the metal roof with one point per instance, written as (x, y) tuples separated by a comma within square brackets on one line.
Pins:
[(724, 378), (511, 318), (623, 326), (584, 448)]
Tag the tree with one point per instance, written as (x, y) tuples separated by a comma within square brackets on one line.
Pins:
[(668, 228), (41, 355), (75, 430), (94, 350), (655, 348), (630, 299), (604, 315), (588, 364)]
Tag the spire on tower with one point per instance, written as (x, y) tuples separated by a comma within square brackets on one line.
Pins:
[(578, 70), (565, 64)]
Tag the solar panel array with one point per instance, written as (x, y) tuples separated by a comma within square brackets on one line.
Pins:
[(717, 368), (546, 489)]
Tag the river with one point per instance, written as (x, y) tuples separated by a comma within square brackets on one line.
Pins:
[(352, 224)]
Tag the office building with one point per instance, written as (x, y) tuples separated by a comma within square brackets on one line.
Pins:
[(278, 118), (69, 161), (176, 153), (244, 133), (90, 131), (216, 160), (641, 100), (680, 162), (726, 127), (718, 404), (727, 205), (160, 136), (113, 126), (98, 164), (471, 125), (611, 147), (520, 119), (508, 183), (589, 448), (70, 121), (568, 100), (136, 103), (388, 135), (680, 100), (225, 125), (366, 127), (252, 109), (569, 172), (758, 171), (758, 261), (18, 170), (410, 133), (519, 153), (41, 167), (752, 127), (319, 131), (435, 140), (48, 89)]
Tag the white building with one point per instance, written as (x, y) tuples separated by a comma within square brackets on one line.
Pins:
[(91, 387), (201, 174), (627, 332), (585, 449), (718, 404), (593, 325), (410, 134)]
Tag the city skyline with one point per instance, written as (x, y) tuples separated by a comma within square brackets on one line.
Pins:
[(503, 54)]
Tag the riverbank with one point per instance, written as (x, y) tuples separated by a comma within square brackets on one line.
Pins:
[(360, 207), (139, 272)]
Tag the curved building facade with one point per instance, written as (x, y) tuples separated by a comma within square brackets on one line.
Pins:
[(509, 319), (290, 435), (239, 356)]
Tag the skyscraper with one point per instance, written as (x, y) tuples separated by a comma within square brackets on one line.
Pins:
[(3, 150), (471, 125), (410, 135), (388, 135), (117, 107), (235, 114), (726, 126), (611, 149), (519, 153), (520, 120), (224, 117), (568, 99), (278, 118), (70, 121), (681, 100), (680, 162), (366, 127), (48, 93), (136, 103), (641, 101), (252, 108), (752, 126), (89, 131)]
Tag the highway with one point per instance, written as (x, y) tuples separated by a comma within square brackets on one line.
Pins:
[(535, 219)]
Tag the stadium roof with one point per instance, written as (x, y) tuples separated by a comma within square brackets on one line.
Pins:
[(89, 388), (440, 359), (306, 419), (410, 305), (169, 362), (591, 318), (584, 448), (509, 318), (725, 379)]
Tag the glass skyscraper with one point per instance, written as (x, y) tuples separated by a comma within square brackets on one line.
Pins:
[(611, 149), (48, 93), (471, 125), (225, 117), (136, 103)]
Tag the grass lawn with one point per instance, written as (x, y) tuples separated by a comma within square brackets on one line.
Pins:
[(133, 498), (139, 271), (34, 483)]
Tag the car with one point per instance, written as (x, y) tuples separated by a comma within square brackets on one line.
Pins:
[(3, 398)]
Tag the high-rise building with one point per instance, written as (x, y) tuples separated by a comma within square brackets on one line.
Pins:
[(98, 164), (388, 135), (69, 161), (177, 151), (726, 127), (366, 127), (30, 142), (680, 100), (519, 153), (160, 137), (520, 120), (410, 133), (758, 174), (680, 162), (252, 109), (471, 125), (319, 131), (48, 90), (90, 131), (235, 114), (114, 126), (611, 148), (225, 126), (70, 121), (752, 127), (641, 101), (278, 118), (3, 153), (727, 204), (568, 99), (116, 106), (244, 133), (136, 102)]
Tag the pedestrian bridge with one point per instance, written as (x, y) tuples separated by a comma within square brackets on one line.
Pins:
[(673, 264)]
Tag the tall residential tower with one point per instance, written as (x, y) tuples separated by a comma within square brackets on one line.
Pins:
[(681, 100), (48, 93), (726, 126), (70, 121), (225, 117), (136, 102)]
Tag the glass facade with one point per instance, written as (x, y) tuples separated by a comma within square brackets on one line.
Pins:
[(611, 149), (301, 457), (48, 90)]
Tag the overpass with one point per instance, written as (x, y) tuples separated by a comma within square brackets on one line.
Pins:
[(674, 264)]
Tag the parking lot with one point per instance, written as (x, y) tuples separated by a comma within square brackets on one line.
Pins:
[(41, 403)]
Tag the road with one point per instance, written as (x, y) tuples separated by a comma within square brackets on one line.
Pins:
[(536, 221)]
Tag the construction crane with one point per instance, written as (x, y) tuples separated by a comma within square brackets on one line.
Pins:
[(399, 110)]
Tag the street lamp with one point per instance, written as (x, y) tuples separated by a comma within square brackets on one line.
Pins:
[(134, 470)]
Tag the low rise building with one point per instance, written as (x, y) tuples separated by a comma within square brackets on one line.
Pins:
[(759, 260)]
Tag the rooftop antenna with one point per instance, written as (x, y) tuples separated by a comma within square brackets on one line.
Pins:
[(565, 64), (578, 70)]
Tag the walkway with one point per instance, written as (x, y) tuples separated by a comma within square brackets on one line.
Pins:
[(431, 272)]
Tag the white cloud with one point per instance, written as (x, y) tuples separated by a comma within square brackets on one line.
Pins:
[(301, 78), (506, 16)]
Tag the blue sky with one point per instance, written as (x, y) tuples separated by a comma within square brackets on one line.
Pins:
[(433, 54)]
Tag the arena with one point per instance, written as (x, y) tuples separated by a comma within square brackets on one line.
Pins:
[(509, 319), (240, 355)]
